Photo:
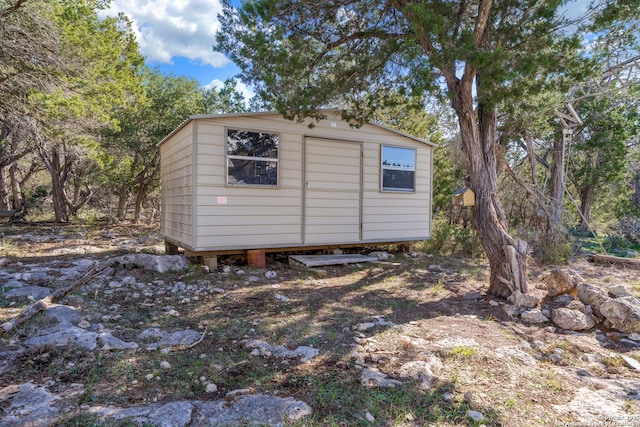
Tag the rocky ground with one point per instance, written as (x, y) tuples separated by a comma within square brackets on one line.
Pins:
[(411, 340)]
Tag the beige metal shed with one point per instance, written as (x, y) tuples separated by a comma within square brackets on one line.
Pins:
[(256, 181)]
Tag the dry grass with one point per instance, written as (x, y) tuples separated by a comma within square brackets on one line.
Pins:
[(321, 312)]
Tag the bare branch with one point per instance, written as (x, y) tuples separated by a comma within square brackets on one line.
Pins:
[(9, 10)]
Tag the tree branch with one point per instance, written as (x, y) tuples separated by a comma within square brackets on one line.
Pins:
[(481, 22), (46, 302), (9, 10), (538, 197)]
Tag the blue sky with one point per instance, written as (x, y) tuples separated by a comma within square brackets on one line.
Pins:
[(177, 35)]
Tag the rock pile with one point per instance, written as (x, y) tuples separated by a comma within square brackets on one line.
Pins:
[(572, 304)]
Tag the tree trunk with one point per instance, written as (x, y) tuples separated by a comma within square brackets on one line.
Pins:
[(636, 189), (140, 196), (507, 257), (16, 187), (554, 224), (123, 196), (4, 194), (586, 197), (57, 187)]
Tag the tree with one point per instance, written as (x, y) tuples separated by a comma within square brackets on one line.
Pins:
[(29, 42), (104, 60), (166, 101), (225, 99), (425, 119), (306, 55), (599, 154)]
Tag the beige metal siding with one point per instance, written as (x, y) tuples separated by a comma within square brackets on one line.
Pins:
[(247, 216), (176, 185), (220, 217), (388, 216), (332, 191)]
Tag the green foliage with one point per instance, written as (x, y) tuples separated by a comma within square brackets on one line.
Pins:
[(555, 251), (306, 55), (629, 228), (624, 237), (614, 242), (226, 99), (598, 157), (447, 238)]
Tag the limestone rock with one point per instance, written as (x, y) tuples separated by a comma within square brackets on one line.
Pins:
[(524, 300), (64, 335), (475, 415), (592, 295), (572, 320), (452, 342), (563, 299), (579, 305), (422, 371), (372, 377), (28, 405), (35, 292), (158, 263), (631, 362), (303, 353), (623, 313), (63, 314), (515, 353), (244, 410), (561, 281), (109, 342), (179, 338), (603, 399), (533, 316), (170, 339), (381, 255), (435, 268), (617, 291)]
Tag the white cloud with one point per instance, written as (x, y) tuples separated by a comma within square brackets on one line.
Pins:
[(240, 87), (169, 28)]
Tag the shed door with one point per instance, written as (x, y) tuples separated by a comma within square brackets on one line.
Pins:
[(333, 191)]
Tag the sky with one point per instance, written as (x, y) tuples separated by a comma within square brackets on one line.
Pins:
[(177, 36)]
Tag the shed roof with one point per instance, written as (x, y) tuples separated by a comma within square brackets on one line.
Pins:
[(275, 113)]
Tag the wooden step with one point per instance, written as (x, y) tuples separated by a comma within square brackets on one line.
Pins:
[(320, 260)]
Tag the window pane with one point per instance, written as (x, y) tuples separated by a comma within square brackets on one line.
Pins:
[(252, 144), (252, 172), (397, 157), (397, 180)]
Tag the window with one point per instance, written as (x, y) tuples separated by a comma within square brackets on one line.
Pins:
[(252, 158), (398, 168)]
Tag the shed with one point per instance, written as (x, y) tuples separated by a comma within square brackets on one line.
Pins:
[(259, 182)]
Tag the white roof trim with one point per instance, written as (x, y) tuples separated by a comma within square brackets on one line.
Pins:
[(276, 113)]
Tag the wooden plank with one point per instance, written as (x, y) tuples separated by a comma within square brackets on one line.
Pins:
[(320, 260)]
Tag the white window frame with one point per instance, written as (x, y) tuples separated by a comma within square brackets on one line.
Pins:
[(384, 167), (231, 157)]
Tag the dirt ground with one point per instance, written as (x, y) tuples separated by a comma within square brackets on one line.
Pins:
[(408, 308)]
